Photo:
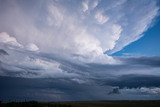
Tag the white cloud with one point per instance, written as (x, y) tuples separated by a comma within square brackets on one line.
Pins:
[(88, 5), (107, 35), (75, 39), (101, 18), (20, 63), (11, 41), (31, 62), (80, 81), (32, 47), (152, 90), (85, 5), (7, 39), (55, 16), (137, 24), (142, 90), (57, 29), (95, 3)]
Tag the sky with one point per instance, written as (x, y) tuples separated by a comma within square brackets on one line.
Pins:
[(74, 50), (145, 46)]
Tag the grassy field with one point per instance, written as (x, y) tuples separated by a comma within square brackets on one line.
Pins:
[(84, 104)]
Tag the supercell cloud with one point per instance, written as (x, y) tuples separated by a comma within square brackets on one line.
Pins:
[(70, 40), (93, 28)]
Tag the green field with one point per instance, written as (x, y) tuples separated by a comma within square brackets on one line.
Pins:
[(84, 104)]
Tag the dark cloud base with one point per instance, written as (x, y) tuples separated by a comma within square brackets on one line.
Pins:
[(133, 81), (46, 89), (63, 89)]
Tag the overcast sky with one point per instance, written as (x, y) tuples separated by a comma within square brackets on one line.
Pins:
[(79, 49)]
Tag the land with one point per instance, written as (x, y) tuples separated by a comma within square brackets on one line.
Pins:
[(83, 104)]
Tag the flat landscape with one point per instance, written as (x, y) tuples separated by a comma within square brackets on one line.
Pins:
[(84, 104)]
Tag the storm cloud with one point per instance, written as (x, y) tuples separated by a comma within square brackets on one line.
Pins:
[(59, 54)]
